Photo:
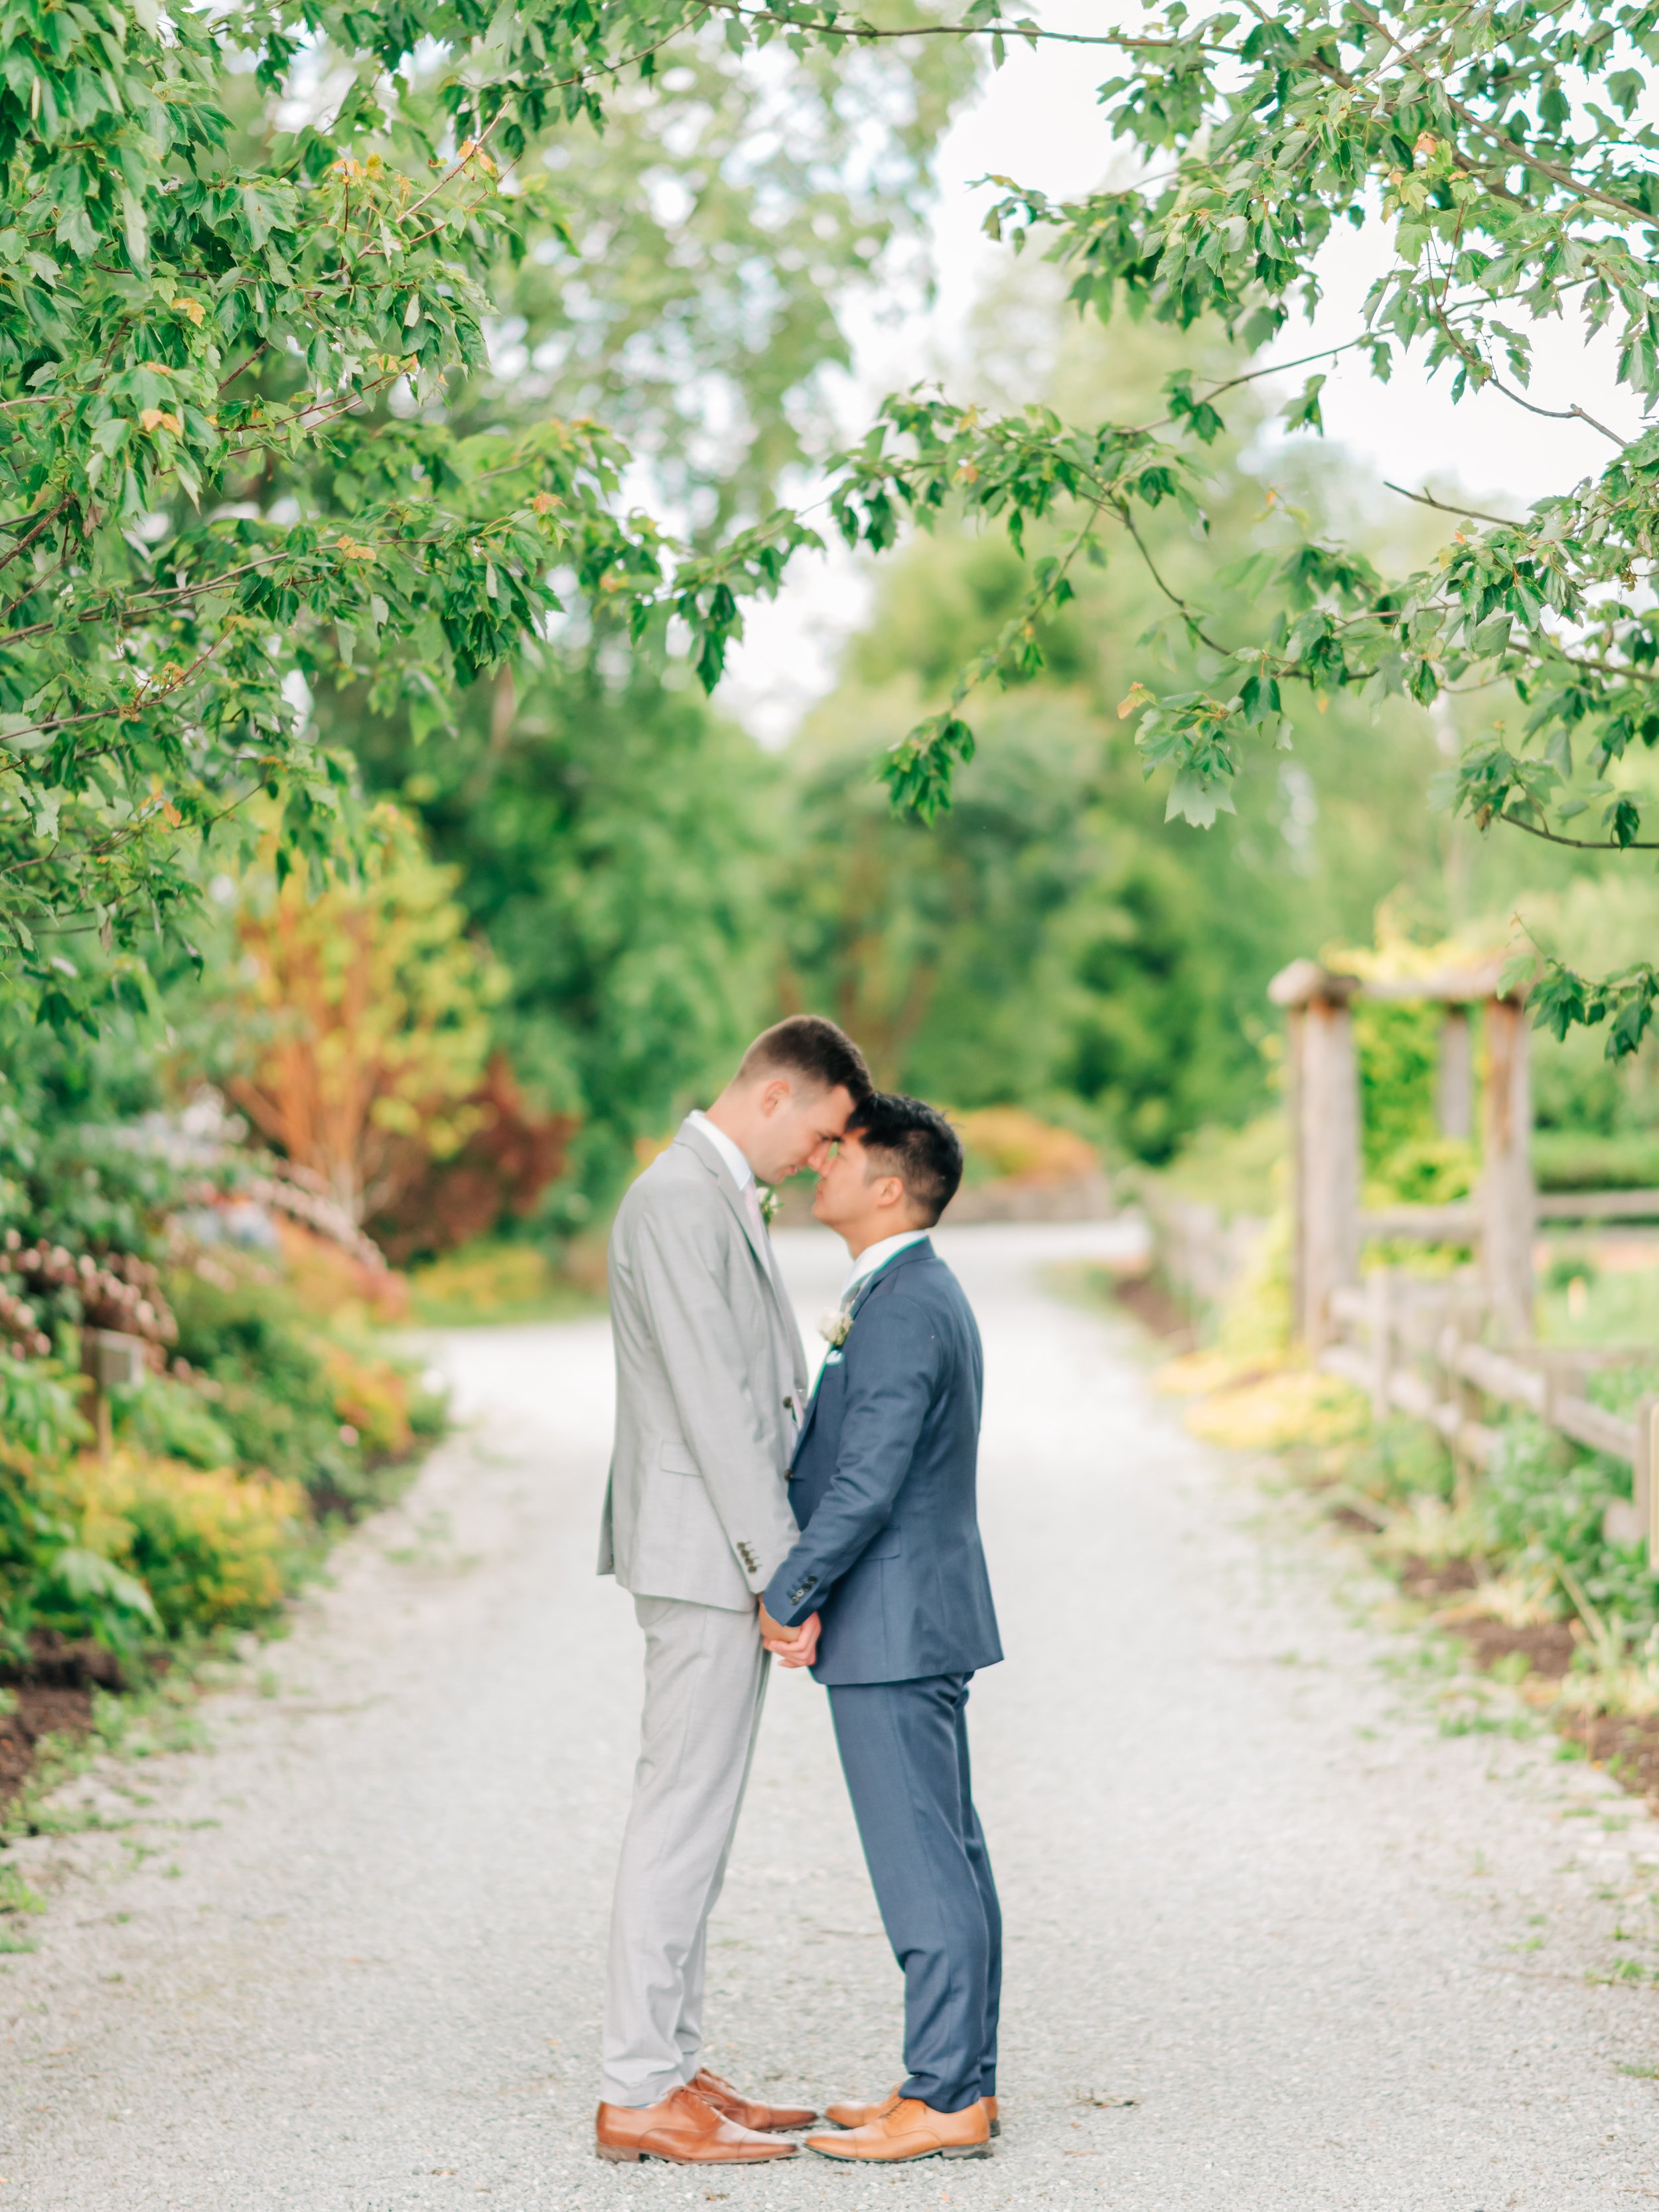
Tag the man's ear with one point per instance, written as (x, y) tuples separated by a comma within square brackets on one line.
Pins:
[(891, 1192), (774, 1094)]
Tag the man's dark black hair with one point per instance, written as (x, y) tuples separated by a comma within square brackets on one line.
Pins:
[(810, 1046), (908, 1138)]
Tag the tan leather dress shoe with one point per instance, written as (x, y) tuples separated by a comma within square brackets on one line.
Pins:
[(908, 2128), (685, 2130), (859, 2116), (766, 2119)]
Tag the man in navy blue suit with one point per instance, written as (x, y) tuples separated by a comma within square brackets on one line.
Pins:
[(886, 1597)]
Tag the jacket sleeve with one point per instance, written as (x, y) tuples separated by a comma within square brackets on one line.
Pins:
[(892, 1377), (677, 1261)]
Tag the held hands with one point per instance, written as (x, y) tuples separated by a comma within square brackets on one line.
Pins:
[(793, 1647)]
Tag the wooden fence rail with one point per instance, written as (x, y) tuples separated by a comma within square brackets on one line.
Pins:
[(1201, 1254), (1411, 1346), (1417, 1345), (1423, 1345)]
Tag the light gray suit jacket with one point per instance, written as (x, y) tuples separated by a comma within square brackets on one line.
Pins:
[(710, 1374)]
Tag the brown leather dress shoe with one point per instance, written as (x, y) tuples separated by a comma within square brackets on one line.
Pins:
[(685, 2130), (766, 2119), (908, 2128), (859, 2116)]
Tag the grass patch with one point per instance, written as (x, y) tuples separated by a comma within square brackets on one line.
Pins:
[(15, 1895)]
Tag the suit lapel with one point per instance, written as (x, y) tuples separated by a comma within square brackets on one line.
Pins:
[(899, 1260), (860, 1299), (729, 1191), (757, 1240)]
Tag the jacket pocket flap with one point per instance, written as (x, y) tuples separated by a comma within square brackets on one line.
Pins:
[(886, 1544), (677, 1459)]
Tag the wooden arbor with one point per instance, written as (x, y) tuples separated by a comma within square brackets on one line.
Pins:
[(1327, 1223)]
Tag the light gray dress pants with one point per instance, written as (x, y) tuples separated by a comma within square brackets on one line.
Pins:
[(705, 1680)]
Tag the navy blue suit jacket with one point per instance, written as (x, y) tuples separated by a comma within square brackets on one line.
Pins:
[(884, 1487)]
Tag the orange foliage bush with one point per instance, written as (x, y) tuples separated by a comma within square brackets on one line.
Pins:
[(368, 1007), (372, 1396), (327, 1280), (503, 1167)]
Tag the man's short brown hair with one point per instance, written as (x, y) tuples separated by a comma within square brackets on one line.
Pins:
[(809, 1046)]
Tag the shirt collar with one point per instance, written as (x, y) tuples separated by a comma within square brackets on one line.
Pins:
[(742, 1173), (877, 1256)]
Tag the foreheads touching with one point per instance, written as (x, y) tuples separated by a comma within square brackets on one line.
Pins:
[(792, 1095)]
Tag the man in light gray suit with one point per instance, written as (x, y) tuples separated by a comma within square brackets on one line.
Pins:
[(711, 1388)]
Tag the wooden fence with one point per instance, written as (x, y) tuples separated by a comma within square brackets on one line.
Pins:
[(1202, 1253), (1416, 1347), (1432, 1348), (1322, 1095)]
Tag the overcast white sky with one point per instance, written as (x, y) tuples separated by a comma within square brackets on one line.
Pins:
[(1038, 120)]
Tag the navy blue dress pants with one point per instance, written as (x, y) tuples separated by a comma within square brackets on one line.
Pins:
[(904, 1751)]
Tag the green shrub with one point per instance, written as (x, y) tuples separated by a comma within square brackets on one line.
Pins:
[(49, 1578), (214, 1549), (1401, 1460), (273, 1393), (1397, 1043), (1571, 1159), (1543, 1502), (172, 1420)]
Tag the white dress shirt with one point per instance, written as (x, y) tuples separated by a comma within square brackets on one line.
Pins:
[(877, 1256), (743, 1173)]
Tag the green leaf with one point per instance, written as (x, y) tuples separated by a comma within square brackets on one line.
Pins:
[(1197, 798), (93, 1581)]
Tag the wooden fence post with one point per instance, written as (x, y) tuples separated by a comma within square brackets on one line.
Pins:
[(1454, 1086), (1379, 1298), (1322, 1101), (1507, 1197), (110, 1359), (1645, 1491), (1295, 1107), (1329, 1226)]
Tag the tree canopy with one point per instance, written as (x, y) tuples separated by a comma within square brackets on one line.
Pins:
[(1508, 151), (252, 446), (253, 449)]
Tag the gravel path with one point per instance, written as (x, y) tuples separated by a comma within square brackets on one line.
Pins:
[(1277, 1938)]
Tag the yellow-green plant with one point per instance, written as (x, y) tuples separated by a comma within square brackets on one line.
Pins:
[(214, 1548)]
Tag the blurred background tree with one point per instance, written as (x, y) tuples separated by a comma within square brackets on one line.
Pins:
[(612, 831), (364, 1017)]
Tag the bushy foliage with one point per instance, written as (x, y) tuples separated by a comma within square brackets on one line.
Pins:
[(1542, 1502), (214, 1548), (363, 1015), (611, 836), (50, 1576), (297, 1403), (254, 448), (211, 1505)]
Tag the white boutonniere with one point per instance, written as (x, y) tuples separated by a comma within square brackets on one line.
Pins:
[(769, 1202), (833, 1326)]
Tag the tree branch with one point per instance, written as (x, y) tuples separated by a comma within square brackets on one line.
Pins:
[(857, 28), (1473, 514), (1580, 844)]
